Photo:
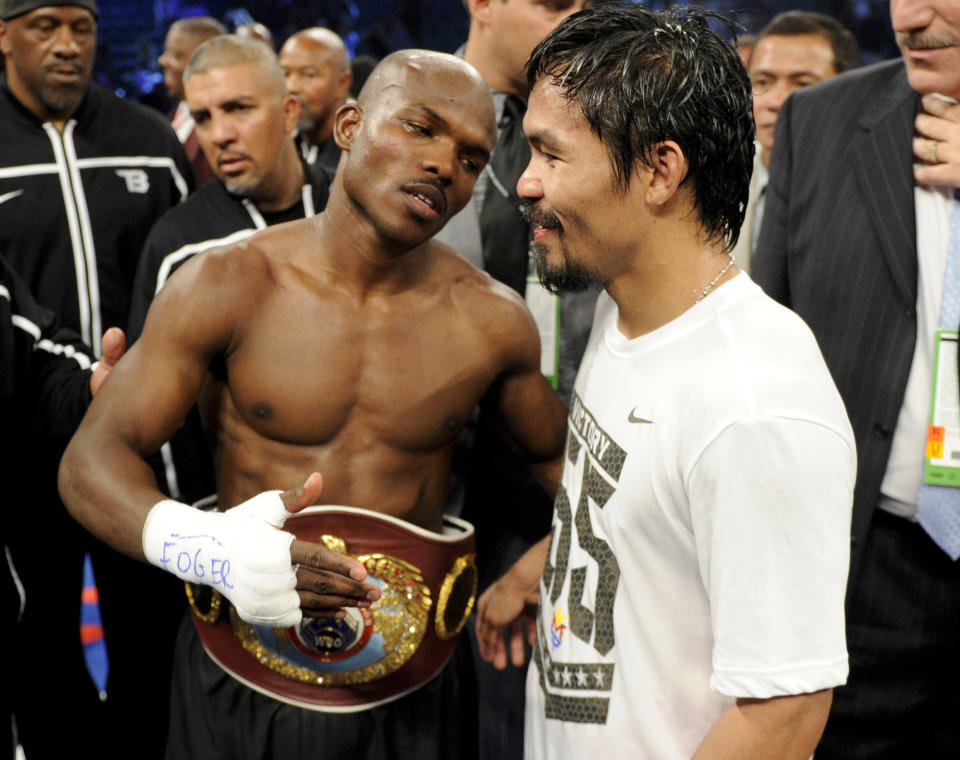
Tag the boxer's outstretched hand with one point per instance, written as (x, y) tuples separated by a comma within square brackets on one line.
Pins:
[(327, 581), (506, 611)]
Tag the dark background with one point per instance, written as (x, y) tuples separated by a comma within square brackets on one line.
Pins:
[(131, 32)]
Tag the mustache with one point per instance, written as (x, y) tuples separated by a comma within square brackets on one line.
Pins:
[(922, 40), (533, 215)]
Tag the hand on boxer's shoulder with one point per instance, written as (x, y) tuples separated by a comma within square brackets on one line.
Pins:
[(113, 345)]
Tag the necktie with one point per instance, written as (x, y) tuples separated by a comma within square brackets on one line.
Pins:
[(759, 205), (504, 233), (91, 631), (938, 507)]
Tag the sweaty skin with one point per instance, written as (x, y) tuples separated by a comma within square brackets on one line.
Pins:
[(349, 344)]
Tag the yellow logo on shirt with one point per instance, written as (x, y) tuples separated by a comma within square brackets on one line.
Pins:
[(558, 626)]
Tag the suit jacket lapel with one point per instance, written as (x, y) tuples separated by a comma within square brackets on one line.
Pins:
[(883, 161)]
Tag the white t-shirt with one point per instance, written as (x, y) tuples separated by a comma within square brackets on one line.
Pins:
[(700, 536)]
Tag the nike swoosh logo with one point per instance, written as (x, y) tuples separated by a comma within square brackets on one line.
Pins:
[(10, 196), (633, 418)]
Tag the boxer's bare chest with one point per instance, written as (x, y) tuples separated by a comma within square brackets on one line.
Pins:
[(404, 371)]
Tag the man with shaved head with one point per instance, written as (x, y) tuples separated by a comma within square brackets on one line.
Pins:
[(508, 507), (254, 30), (185, 36), (354, 345), (317, 69)]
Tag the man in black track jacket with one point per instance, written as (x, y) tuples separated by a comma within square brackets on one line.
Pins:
[(47, 380), (79, 189), (83, 176)]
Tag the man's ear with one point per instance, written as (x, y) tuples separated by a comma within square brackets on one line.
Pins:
[(343, 84), (668, 169), (346, 123), (291, 114), (4, 42), (480, 9)]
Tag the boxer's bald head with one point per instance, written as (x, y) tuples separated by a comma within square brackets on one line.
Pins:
[(406, 71), (415, 141)]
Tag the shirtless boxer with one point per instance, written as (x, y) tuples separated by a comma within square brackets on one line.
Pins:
[(350, 344)]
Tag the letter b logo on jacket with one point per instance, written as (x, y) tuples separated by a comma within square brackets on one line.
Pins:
[(136, 179)]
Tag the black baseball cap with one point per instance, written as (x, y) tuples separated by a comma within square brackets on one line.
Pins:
[(14, 8)]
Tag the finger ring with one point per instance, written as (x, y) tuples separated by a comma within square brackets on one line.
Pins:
[(932, 153)]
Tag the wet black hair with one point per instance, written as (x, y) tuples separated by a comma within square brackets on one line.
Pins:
[(642, 77)]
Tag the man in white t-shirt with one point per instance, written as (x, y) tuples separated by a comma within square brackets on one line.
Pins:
[(691, 591)]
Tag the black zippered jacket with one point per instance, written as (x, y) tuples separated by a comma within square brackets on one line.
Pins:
[(43, 377), (76, 207)]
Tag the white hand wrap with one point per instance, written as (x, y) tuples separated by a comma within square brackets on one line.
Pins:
[(242, 553)]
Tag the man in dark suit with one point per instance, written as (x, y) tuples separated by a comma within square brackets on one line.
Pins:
[(508, 507), (490, 231), (795, 50), (855, 238)]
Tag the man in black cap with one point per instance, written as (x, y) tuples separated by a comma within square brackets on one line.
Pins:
[(117, 166), (83, 176)]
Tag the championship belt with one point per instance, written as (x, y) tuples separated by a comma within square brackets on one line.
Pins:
[(428, 584)]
